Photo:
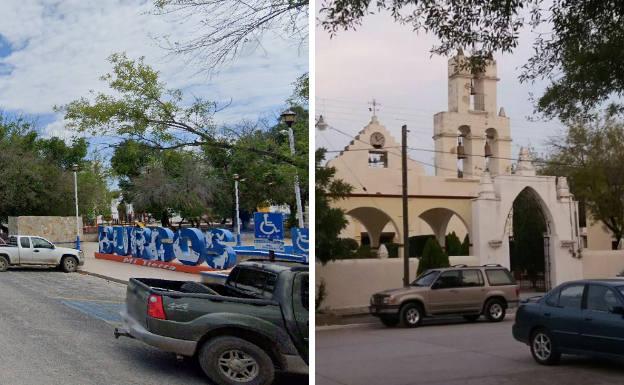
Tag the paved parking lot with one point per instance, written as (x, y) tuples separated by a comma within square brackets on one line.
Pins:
[(57, 329), (451, 352)]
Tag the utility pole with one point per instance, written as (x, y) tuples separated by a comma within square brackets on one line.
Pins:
[(405, 214)]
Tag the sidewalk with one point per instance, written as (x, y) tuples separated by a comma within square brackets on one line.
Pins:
[(122, 272)]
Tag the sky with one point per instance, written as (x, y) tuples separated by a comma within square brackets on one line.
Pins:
[(392, 64), (54, 51)]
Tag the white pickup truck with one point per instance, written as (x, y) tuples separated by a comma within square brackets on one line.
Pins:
[(23, 250)]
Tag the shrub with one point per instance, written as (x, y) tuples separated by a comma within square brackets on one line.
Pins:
[(453, 244), (433, 257), (417, 244), (465, 247), (393, 250)]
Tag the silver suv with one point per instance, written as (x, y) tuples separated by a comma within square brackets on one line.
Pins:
[(469, 291)]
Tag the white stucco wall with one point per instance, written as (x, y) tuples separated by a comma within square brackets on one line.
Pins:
[(602, 263)]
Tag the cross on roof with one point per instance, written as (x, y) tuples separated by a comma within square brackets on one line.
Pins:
[(374, 108)]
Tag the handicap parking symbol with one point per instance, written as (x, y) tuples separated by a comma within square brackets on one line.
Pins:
[(300, 239), (269, 226)]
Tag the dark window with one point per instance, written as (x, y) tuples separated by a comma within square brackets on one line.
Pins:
[(499, 277), (582, 215), (25, 242), (40, 243), (601, 298), (255, 281), (471, 278), (571, 296), (12, 241), (449, 279)]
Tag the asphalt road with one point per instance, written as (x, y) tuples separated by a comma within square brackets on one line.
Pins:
[(57, 328), (448, 353)]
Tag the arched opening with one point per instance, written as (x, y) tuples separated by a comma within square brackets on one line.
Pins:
[(464, 150), (449, 229), (368, 228), (491, 151), (528, 227)]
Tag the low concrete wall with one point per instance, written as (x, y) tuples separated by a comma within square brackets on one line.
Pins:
[(349, 283), (602, 263), (55, 229)]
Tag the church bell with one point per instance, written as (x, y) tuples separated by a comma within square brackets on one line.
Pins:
[(461, 152), (488, 150)]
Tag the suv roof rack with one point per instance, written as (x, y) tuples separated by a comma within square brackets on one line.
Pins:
[(492, 265), (460, 265)]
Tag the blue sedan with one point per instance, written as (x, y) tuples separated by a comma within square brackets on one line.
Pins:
[(580, 317)]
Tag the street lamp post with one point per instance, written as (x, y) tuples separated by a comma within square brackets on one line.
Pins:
[(289, 117), (75, 170), (238, 226)]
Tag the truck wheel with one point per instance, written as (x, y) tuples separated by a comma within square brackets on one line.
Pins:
[(69, 264), (411, 315), (234, 361), (4, 263), (495, 310)]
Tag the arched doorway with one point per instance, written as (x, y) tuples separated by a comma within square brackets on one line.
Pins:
[(447, 225), (528, 228), (377, 225)]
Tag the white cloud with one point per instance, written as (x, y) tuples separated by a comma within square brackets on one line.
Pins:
[(60, 50)]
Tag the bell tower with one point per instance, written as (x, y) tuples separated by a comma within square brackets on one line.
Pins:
[(471, 136)]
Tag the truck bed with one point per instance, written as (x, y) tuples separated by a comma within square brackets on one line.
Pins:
[(191, 287)]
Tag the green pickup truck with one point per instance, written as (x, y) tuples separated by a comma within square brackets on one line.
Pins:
[(241, 332)]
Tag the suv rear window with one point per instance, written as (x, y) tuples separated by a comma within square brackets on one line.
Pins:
[(258, 282), (499, 277)]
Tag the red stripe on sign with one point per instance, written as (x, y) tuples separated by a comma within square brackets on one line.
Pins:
[(155, 264)]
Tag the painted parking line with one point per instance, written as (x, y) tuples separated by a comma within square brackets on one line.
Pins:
[(102, 310)]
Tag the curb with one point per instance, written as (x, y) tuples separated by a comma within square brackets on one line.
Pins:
[(338, 327), (116, 280)]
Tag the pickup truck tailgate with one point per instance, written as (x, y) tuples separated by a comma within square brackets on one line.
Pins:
[(136, 301)]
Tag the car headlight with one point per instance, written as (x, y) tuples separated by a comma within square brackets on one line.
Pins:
[(387, 301)]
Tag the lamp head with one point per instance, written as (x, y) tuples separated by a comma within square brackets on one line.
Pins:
[(289, 117)]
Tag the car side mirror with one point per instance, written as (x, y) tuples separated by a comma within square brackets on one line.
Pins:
[(436, 285)]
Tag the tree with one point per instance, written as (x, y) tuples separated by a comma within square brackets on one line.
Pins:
[(141, 108), (330, 221), (590, 155), (465, 246), (453, 245), (228, 28), (580, 54), (36, 176), (529, 226), (433, 257)]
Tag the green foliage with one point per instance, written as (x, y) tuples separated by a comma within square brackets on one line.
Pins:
[(330, 221), (36, 177), (590, 156), (393, 250), (417, 244), (453, 245), (140, 107), (465, 246), (529, 225), (433, 257), (580, 41)]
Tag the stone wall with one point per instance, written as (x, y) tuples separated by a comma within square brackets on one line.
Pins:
[(55, 229)]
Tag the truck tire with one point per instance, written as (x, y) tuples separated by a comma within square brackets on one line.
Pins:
[(4, 263), (234, 361), (69, 264)]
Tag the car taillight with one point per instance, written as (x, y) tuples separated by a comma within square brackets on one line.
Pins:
[(155, 308)]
